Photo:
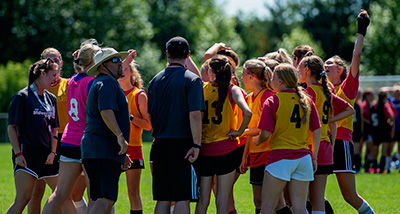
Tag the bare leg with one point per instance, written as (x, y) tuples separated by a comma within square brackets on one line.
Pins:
[(182, 207), (271, 191), (162, 207), (133, 183), (34, 205), (347, 184), (257, 196), (102, 205), (24, 183), (205, 193), (298, 193), (317, 192), (225, 185), (68, 174)]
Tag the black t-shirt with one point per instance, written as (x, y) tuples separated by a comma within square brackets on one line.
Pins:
[(172, 94), (32, 119)]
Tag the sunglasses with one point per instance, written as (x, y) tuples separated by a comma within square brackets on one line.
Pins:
[(115, 60)]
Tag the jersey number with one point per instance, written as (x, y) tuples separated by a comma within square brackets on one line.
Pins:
[(216, 120), (295, 118), (73, 111), (325, 111)]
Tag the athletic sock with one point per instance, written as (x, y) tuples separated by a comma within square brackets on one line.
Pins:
[(328, 208), (365, 208), (388, 162), (258, 211), (308, 206), (318, 212), (80, 206), (367, 164), (283, 210), (113, 209), (136, 211)]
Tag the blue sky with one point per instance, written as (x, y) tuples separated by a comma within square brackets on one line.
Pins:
[(248, 7)]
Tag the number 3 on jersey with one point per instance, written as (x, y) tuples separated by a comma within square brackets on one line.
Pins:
[(215, 120), (295, 117)]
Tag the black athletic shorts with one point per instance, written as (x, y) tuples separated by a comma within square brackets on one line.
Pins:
[(396, 136), (174, 178), (257, 174), (343, 157), (35, 158), (137, 164), (219, 165), (324, 169), (104, 177), (240, 156), (70, 152)]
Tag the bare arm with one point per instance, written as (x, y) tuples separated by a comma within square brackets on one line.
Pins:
[(241, 102), (13, 136), (212, 51), (195, 127), (111, 122), (355, 62), (264, 135), (346, 113), (315, 146), (144, 121), (191, 66), (50, 157)]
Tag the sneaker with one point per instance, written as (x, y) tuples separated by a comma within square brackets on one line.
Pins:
[(371, 171)]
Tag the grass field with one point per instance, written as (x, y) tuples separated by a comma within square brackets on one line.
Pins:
[(381, 191)]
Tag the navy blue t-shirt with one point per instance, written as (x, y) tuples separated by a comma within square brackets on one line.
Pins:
[(99, 141), (31, 117), (172, 94)]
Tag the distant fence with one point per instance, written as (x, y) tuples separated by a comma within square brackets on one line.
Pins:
[(374, 82)]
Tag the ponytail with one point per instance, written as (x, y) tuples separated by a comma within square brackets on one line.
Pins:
[(222, 69), (42, 65), (303, 102)]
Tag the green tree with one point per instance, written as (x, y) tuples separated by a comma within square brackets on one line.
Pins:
[(381, 52), (13, 77)]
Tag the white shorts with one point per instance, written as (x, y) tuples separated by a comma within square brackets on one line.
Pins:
[(67, 159), (298, 169)]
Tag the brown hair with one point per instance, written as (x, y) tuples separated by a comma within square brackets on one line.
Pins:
[(302, 51), (261, 71), (288, 74), (136, 79), (222, 68), (341, 63), (50, 51), (316, 66), (42, 65), (232, 56)]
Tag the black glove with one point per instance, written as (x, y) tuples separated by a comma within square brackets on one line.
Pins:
[(363, 22)]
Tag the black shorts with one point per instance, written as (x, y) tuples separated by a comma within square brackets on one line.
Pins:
[(382, 137), (396, 136), (174, 178), (104, 177), (257, 175), (240, 156), (70, 152), (137, 164), (343, 157), (324, 169), (219, 165), (35, 158)]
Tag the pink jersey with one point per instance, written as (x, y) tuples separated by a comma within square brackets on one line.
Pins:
[(77, 96)]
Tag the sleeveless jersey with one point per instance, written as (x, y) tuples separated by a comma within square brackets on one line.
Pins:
[(256, 107), (135, 138), (323, 108), (60, 90), (289, 132), (215, 126), (239, 119), (77, 97), (347, 90)]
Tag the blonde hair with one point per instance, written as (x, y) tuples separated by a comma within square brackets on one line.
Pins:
[(288, 74), (280, 56), (136, 79), (261, 71), (48, 51), (85, 58)]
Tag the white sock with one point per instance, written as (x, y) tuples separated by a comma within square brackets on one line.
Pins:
[(317, 212), (113, 209), (388, 162), (365, 208), (80, 206)]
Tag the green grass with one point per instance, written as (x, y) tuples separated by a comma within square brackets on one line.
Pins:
[(381, 191)]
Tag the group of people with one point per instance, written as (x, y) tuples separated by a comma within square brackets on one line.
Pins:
[(292, 130), (376, 123)]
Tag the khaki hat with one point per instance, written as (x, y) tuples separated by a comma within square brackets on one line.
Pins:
[(103, 55)]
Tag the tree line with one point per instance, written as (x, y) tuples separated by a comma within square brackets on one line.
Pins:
[(28, 27)]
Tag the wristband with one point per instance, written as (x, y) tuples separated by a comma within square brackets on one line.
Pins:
[(197, 146), (18, 154), (119, 135)]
